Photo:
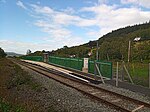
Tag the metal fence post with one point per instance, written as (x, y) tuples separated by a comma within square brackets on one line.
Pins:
[(122, 71), (128, 74), (149, 75), (117, 75), (100, 73)]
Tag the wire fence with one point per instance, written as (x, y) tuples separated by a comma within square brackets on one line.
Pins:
[(139, 72)]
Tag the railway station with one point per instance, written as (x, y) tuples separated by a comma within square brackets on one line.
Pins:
[(79, 71), (75, 56)]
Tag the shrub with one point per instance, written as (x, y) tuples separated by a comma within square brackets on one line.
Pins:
[(2, 53)]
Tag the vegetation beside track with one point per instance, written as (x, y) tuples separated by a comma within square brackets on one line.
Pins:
[(7, 107), (18, 90), (138, 71)]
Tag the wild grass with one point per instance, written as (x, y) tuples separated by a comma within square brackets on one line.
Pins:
[(7, 107), (21, 77), (138, 71)]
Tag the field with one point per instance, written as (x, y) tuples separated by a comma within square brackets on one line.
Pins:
[(138, 71)]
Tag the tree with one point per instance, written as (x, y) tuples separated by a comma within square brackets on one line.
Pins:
[(28, 52), (2, 53), (65, 47), (43, 51)]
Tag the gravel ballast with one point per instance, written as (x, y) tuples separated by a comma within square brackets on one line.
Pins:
[(126, 92), (64, 98)]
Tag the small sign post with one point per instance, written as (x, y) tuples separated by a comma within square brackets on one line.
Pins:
[(85, 66), (46, 57)]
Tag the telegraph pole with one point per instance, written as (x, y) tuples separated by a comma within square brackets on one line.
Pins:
[(129, 50), (149, 75), (97, 51)]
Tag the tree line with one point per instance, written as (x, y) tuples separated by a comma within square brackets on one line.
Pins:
[(112, 46)]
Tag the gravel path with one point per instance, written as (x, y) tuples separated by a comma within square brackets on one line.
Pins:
[(65, 99)]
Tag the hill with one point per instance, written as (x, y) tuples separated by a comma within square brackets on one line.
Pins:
[(114, 45), (13, 54)]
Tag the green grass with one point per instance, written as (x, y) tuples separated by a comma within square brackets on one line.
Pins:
[(22, 77), (138, 71), (15, 79), (7, 107)]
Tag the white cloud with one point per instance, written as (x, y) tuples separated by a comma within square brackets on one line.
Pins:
[(106, 18), (55, 31), (56, 23), (20, 4), (143, 3), (41, 10), (69, 10), (109, 18), (22, 47), (102, 2), (58, 34)]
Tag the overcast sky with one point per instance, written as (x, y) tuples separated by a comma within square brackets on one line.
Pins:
[(51, 24)]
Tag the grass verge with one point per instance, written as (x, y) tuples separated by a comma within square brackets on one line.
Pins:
[(7, 107)]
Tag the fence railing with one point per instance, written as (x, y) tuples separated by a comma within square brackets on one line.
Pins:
[(76, 63), (33, 58), (104, 67)]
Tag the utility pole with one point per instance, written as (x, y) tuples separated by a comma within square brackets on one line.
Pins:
[(129, 50), (149, 75), (95, 69), (117, 75), (97, 51)]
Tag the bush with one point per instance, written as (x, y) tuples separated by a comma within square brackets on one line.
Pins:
[(2, 53)]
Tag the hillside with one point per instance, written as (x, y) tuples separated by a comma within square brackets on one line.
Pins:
[(13, 54), (114, 45)]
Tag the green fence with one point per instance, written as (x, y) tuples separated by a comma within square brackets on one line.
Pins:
[(33, 58), (75, 63), (67, 62), (104, 67)]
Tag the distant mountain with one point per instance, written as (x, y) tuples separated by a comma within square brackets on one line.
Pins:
[(13, 54)]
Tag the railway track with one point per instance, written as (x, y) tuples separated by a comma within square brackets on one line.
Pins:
[(113, 99)]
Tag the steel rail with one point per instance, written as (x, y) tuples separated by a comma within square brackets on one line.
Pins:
[(40, 70)]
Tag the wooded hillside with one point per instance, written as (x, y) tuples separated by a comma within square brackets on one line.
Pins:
[(114, 45)]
